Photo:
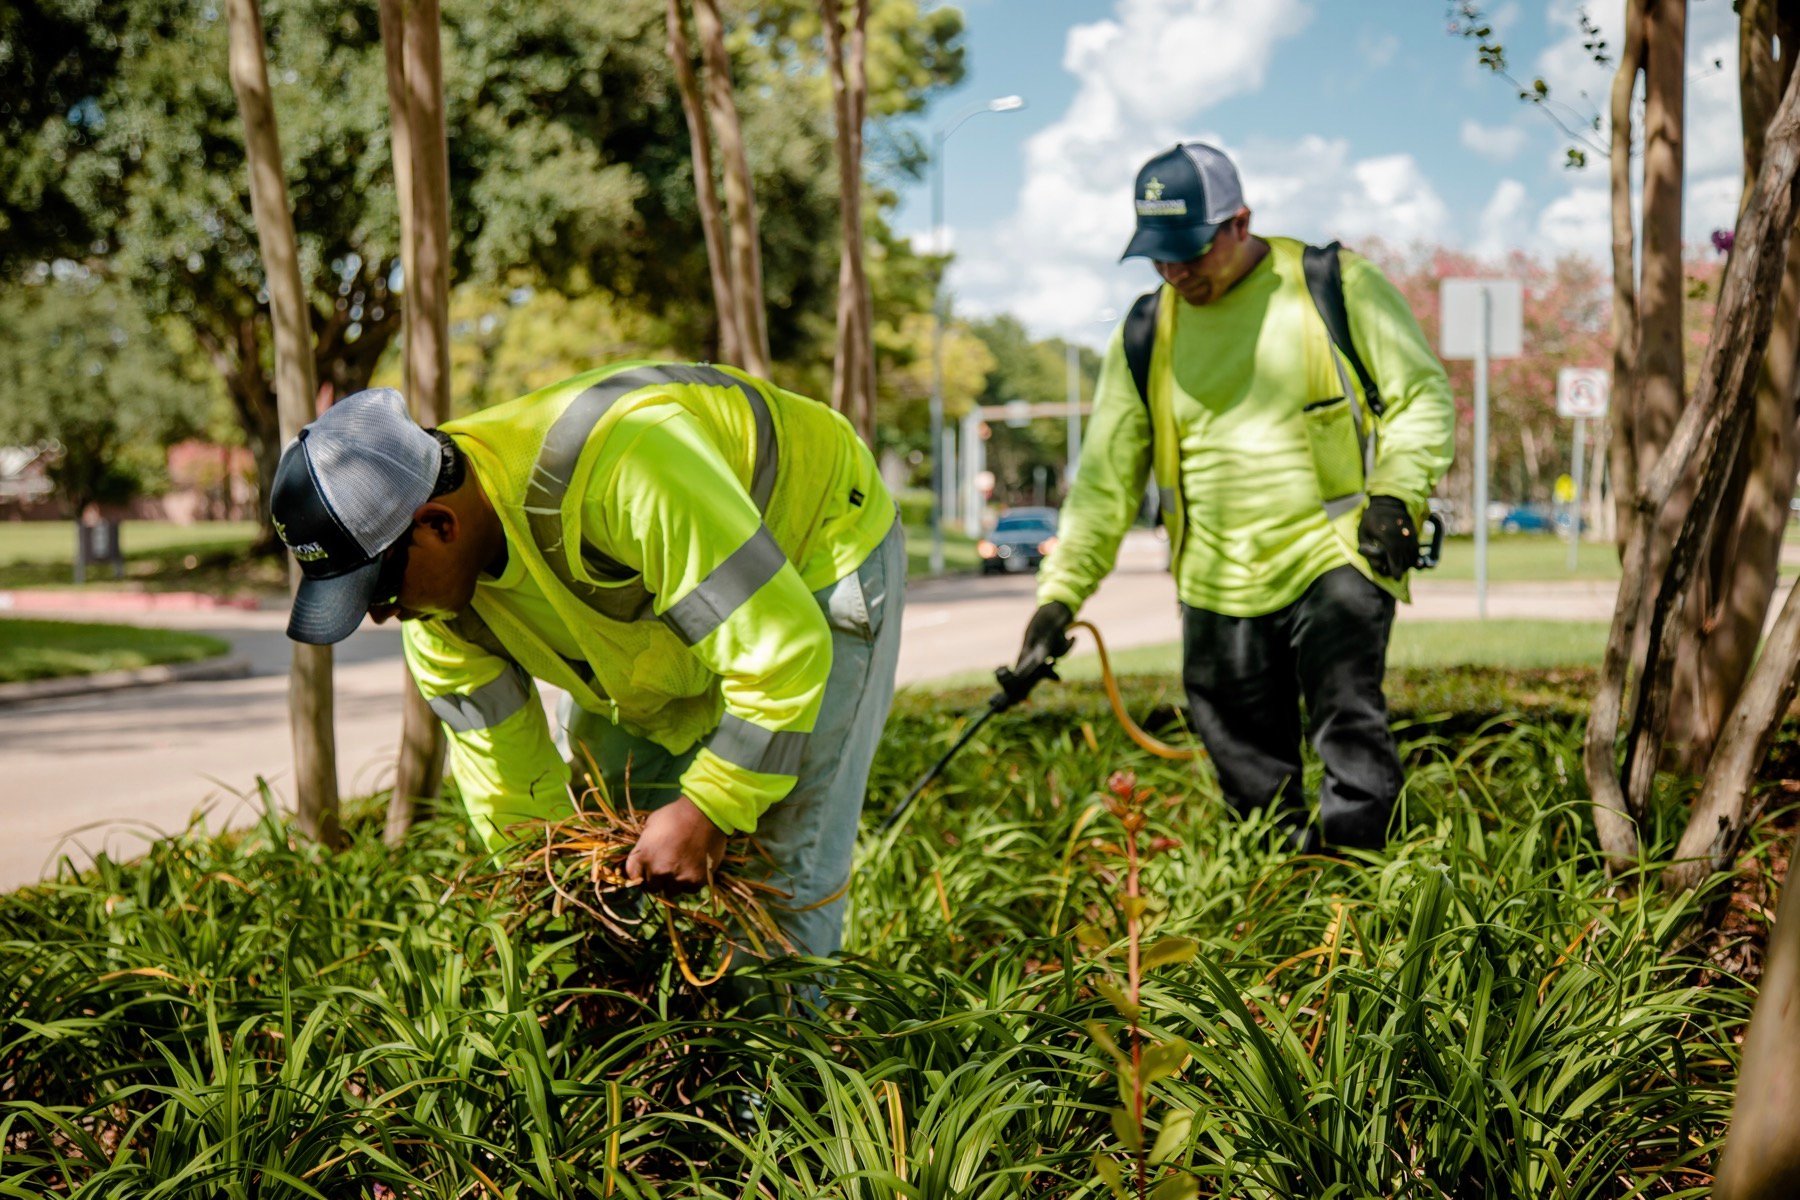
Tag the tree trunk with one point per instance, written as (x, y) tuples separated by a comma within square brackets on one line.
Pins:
[(1733, 594), (1612, 823), (853, 381), (1761, 1159), (309, 681), (706, 195), (1763, 233), (859, 102), (1660, 368), (740, 191), (1704, 440), (426, 169), (1624, 267)]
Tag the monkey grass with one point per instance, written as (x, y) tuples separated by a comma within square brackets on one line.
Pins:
[(1478, 1011)]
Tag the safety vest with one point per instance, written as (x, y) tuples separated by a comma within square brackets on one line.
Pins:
[(1343, 429), (660, 608)]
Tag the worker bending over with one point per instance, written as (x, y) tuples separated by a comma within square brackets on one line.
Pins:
[(708, 565)]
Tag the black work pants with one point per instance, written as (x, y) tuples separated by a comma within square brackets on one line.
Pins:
[(1246, 678)]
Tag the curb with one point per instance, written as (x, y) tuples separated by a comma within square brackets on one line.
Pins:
[(226, 666), (29, 600)]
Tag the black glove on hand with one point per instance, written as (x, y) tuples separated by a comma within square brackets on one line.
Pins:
[(1045, 638), (1387, 537)]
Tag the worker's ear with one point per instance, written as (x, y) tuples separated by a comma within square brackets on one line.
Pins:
[(437, 520)]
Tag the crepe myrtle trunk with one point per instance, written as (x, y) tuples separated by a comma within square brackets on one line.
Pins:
[(740, 191), (1735, 586), (309, 679), (706, 193), (421, 166), (1702, 448)]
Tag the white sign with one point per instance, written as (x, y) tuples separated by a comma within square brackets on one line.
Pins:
[(1582, 392), (1462, 309), (1018, 413)]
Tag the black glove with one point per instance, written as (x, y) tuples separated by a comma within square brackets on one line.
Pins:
[(1388, 537), (1045, 638)]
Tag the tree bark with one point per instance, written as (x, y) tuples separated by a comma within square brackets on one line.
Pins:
[(1716, 821), (1612, 823), (1761, 1159), (853, 382), (422, 180), (1733, 594), (1623, 404), (309, 680), (1660, 367), (859, 100), (740, 190), (706, 195)]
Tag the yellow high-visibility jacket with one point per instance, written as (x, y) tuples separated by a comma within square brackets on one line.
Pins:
[(666, 527), (1250, 410)]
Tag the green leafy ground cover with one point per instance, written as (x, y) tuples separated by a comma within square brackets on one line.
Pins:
[(32, 649), (1477, 1012)]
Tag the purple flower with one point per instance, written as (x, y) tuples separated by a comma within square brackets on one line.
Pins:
[(1722, 239)]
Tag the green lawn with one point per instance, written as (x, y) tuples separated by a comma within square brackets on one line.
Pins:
[(160, 556), (1525, 556), (959, 552), (54, 541), (32, 649)]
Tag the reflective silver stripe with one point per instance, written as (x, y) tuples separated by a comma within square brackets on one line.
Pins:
[(754, 748), (1343, 504), (762, 474), (555, 470), (487, 705), (726, 587)]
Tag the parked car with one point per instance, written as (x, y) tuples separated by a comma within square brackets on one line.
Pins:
[(1020, 539), (1528, 518)]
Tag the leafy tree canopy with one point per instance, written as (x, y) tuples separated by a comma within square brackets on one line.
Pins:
[(82, 367)]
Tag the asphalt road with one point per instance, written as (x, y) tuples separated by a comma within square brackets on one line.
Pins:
[(108, 770)]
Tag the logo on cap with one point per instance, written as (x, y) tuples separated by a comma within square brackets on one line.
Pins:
[(1153, 205)]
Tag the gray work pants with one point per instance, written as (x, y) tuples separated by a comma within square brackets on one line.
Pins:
[(809, 835)]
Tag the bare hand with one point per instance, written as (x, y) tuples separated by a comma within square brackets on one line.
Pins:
[(678, 850)]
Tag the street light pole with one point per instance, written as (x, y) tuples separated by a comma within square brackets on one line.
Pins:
[(938, 304)]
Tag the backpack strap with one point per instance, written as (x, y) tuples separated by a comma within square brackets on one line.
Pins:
[(1140, 337), (1325, 280)]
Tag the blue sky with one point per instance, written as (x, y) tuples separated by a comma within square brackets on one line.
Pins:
[(1348, 118)]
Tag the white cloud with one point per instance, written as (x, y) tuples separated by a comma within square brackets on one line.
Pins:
[(1578, 222), (1501, 143), (1376, 50), (1708, 205), (1712, 147), (1502, 224)]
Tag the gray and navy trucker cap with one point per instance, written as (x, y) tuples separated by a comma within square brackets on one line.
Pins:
[(1182, 196), (345, 490)]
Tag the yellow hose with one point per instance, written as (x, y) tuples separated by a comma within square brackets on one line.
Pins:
[(1132, 729)]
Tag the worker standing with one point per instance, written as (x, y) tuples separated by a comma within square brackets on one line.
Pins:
[(1295, 421), (708, 565)]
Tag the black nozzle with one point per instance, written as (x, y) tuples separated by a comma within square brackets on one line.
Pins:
[(1016, 686)]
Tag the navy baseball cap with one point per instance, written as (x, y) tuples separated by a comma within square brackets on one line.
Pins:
[(344, 492), (1182, 196)]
